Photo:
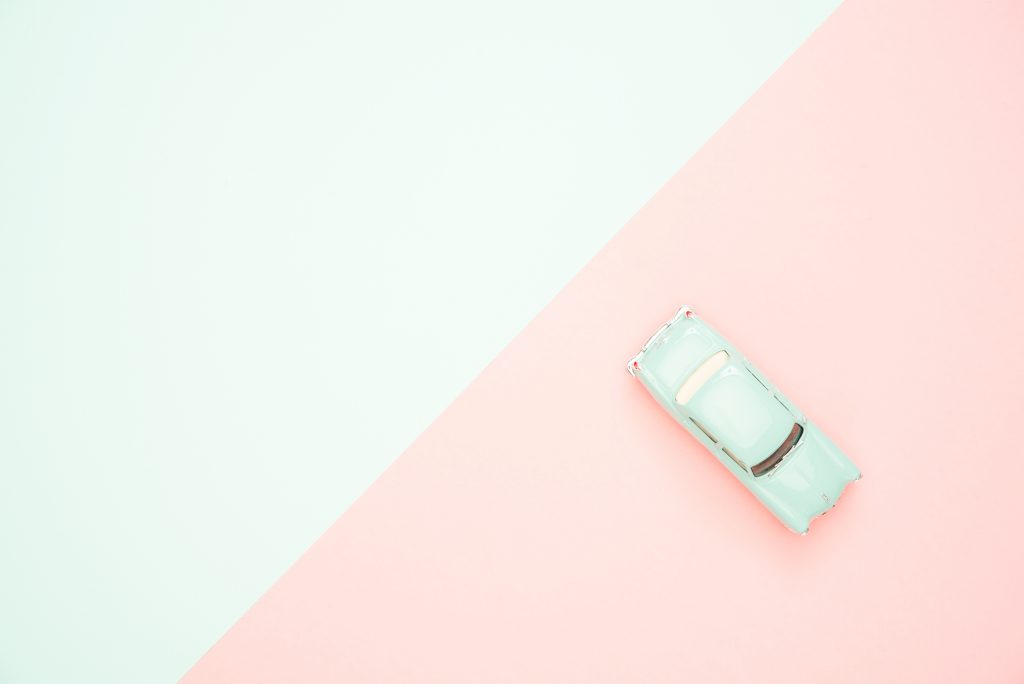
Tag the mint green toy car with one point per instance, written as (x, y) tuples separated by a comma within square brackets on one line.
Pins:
[(752, 428)]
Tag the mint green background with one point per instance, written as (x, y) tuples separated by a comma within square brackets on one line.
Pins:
[(216, 218)]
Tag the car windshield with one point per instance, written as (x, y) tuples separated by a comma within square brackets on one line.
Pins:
[(701, 375), (787, 445)]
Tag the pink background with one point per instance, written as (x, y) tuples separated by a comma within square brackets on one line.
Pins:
[(856, 228)]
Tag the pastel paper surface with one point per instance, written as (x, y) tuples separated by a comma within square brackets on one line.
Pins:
[(856, 230)]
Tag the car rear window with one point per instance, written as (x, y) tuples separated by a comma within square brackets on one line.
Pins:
[(780, 453)]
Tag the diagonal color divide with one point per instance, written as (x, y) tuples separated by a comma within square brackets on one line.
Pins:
[(212, 212), (855, 228)]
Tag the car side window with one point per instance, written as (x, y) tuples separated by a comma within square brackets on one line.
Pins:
[(714, 439), (704, 430), (735, 458)]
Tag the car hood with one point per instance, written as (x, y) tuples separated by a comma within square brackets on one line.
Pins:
[(808, 482)]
